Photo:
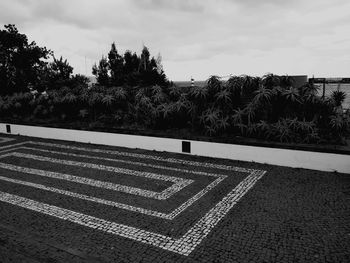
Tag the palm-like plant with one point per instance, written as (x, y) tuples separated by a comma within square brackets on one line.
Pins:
[(306, 127), (94, 99), (263, 95), (182, 103), (211, 116), (249, 110), (282, 131), (308, 93), (311, 137), (263, 128), (174, 91), (235, 84), (238, 115), (166, 109), (337, 122), (308, 89), (108, 100), (199, 92), (252, 129), (119, 93), (156, 89), (2, 102), (338, 97), (17, 105), (145, 101), (291, 94), (223, 96), (210, 130), (158, 96), (69, 98), (286, 81), (270, 80), (83, 113), (84, 96), (237, 119), (223, 123), (214, 83), (242, 128), (249, 86), (139, 94), (211, 120)]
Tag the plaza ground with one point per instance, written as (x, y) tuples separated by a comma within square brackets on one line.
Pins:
[(73, 202)]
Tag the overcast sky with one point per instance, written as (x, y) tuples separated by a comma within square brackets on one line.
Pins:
[(196, 38)]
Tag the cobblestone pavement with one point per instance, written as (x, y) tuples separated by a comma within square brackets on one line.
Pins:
[(71, 202)]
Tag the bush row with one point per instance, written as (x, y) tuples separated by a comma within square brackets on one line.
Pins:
[(268, 107)]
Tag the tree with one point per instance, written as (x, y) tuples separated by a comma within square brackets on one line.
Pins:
[(55, 75), (130, 69), (61, 68), (159, 64), (116, 63), (131, 62), (79, 81), (101, 72), (149, 70), (144, 59), (20, 61), (131, 65)]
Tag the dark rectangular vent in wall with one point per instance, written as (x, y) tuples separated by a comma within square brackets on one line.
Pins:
[(186, 147), (8, 128)]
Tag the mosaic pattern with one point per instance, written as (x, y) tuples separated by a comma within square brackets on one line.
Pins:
[(5, 139), (9, 147), (91, 182), (151, 157), (183, 245), (179, 183), (169, 216)]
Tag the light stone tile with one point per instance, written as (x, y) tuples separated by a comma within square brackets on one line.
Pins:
[(169, 216), (183, 245), (5, 139), (180, 183), (146, 156)]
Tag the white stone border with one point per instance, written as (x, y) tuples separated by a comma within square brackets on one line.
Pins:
[(179, 183), (168, 216), (5, 139), (184, 245), (276, 156)]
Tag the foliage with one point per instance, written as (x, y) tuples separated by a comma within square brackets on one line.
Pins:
[(338, 97), (101, 72), (132, 90), (129, 69), (25, 67), (21, 62)]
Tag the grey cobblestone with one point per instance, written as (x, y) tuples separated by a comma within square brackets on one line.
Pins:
[(287, 215)]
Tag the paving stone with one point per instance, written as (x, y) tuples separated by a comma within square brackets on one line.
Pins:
[(240, 214)]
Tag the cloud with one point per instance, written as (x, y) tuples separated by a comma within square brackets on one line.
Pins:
[(171, 5), (198, 32)]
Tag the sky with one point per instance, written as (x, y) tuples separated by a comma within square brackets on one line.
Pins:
[(197, 38)]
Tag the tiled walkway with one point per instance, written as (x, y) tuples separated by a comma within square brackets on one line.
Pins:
[(69, 202)]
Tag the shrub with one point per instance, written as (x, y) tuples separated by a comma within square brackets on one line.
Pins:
[(266, 108)]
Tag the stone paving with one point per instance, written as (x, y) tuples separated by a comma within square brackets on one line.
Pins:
[(70, 202)]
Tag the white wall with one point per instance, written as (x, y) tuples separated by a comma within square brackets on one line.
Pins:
[(123, 140), (275, 156)]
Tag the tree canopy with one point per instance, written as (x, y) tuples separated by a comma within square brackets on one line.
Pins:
[(129, 69), (25, 65), (20, 61)]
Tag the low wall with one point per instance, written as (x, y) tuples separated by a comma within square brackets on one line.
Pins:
[(276, 156)]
